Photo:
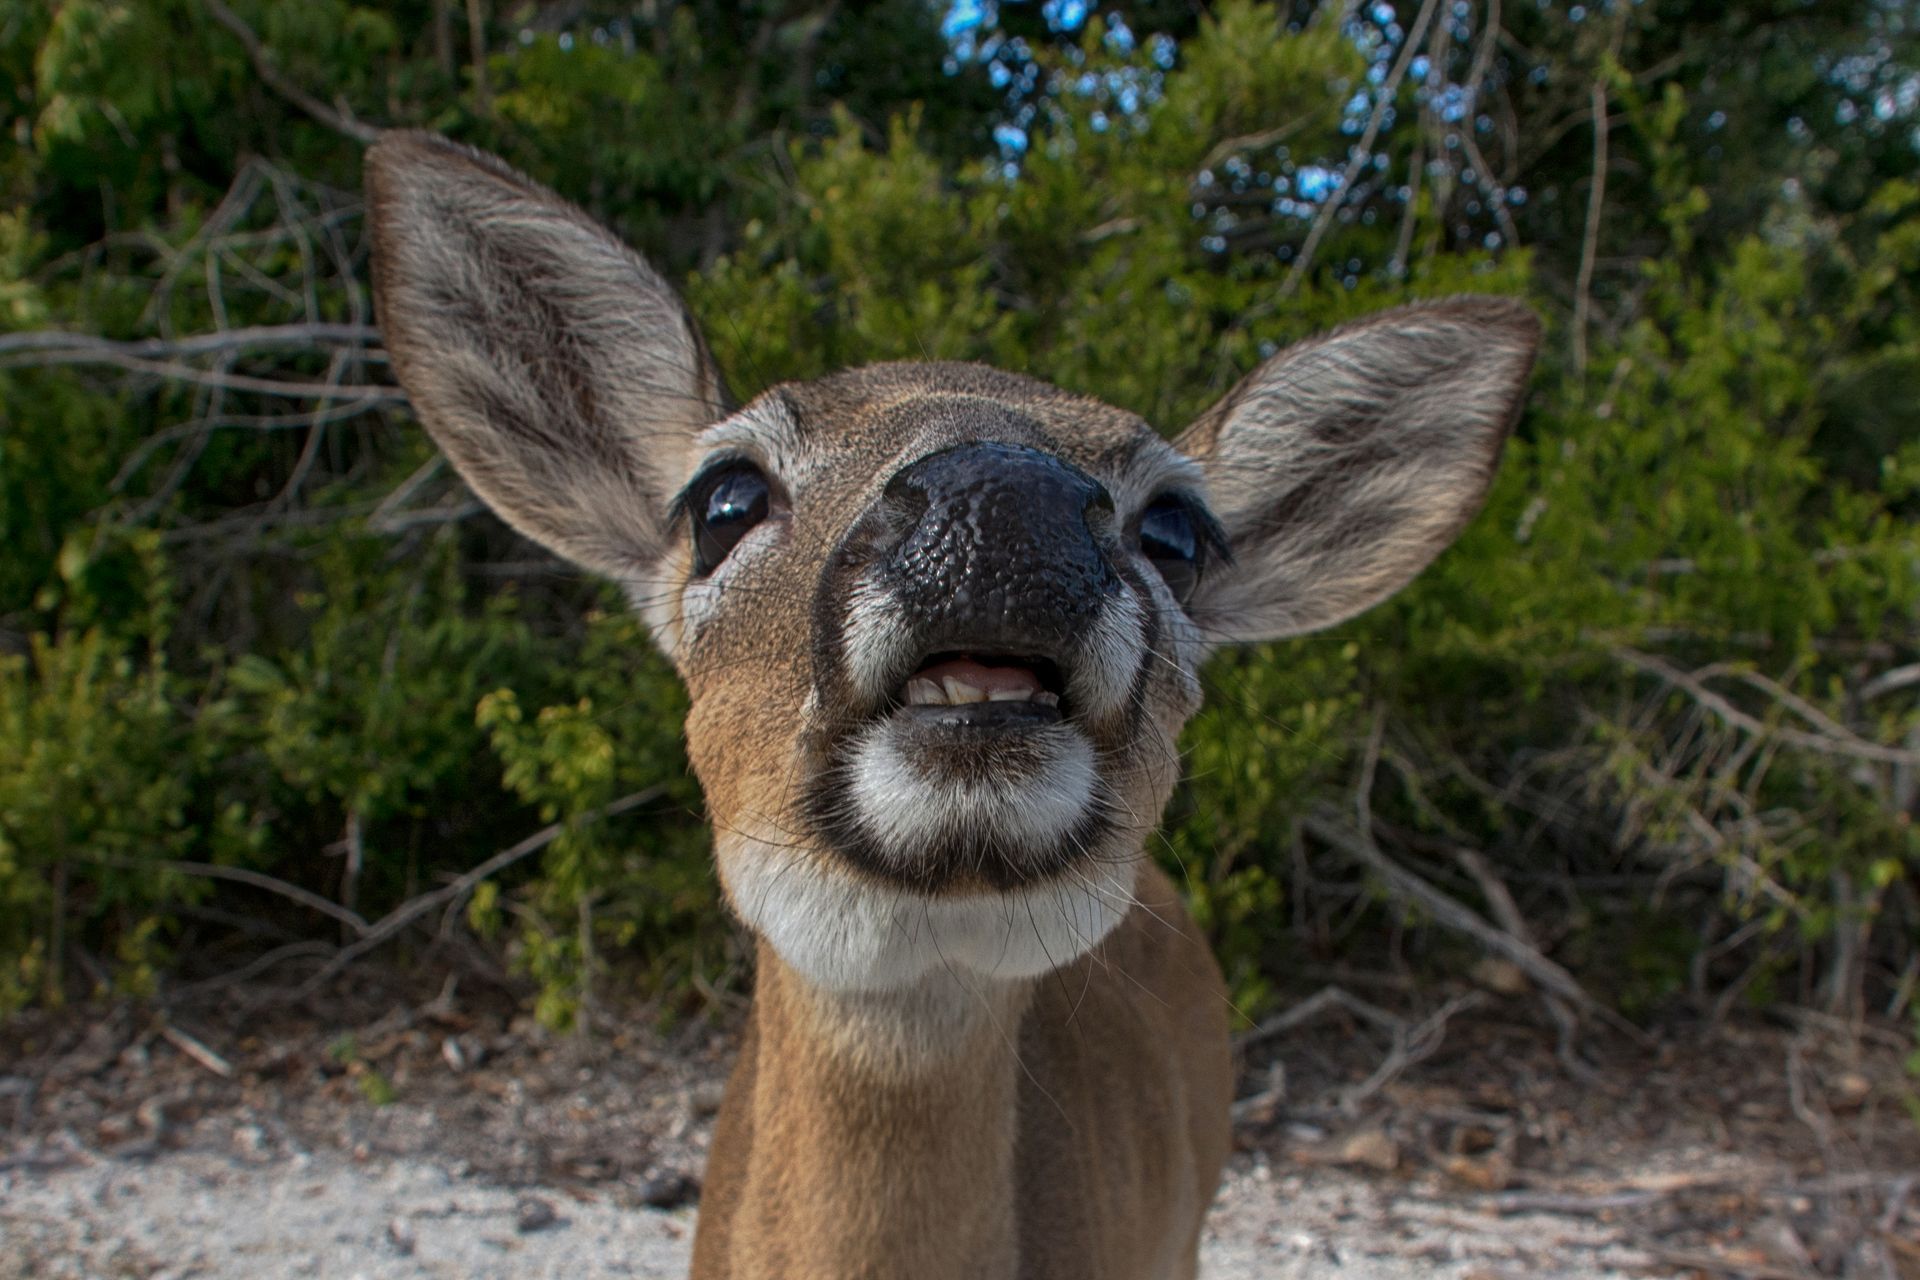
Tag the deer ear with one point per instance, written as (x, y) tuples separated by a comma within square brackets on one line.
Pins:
[(556, 369), (1343, 465)]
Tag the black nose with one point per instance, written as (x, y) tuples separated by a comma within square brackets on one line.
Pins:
[(998, 547)]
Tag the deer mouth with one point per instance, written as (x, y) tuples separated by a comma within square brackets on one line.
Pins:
[(970, 775), (983, 691)]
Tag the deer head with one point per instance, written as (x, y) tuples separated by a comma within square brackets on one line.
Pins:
[(941, 625)]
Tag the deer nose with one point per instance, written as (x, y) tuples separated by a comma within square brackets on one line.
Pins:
[(999, 545)]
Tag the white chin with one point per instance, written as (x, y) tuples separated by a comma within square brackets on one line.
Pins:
[(850, 933), (909, 806)]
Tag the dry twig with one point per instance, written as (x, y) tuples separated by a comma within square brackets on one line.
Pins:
[(58, 346), (1408, 887), (1362, 154), (241, 875), (196, 1050), (274, 79), (1410, 1046), (1837, 742), (1590, 241), (1328, 997), (396, 921)]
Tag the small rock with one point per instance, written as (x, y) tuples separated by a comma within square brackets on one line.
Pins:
[(531, 1213), (1489, 1172), (1368, 1148), (1851, 1090), (455, 1057), (400, 1235), (250, 1140), (1502, 977), (705, 1098), (668, 1191)]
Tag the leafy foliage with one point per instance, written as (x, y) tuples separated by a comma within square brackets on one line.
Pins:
[(1664, 687)]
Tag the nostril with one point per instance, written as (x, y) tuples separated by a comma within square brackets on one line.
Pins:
[(1099, 508), (905, 497)]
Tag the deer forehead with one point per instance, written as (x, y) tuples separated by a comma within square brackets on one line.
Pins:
[(834, 442)]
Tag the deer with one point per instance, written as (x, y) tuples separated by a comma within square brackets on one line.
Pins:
[(940, 627)]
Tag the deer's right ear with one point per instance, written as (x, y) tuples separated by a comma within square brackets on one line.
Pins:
[(556, 369)]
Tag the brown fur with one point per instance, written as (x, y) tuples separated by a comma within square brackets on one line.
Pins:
[(1078, 1132), (899, 1109)]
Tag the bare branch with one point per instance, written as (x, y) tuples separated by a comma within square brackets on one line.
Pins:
[(1411, 1045), (1362, 153), (1496, 193), (303, 949), (1590, 245), (241, 875), (1408, 887), (477, 54), (1840, 743), (1890, 682), (272, 77), (1403, 241), (171, 371), (394, 922), (196, 1050), (52, 345), (1596, 204), (1329, 997), (1483, 51), (1410, 1048), (244, 421), (1252, 141)]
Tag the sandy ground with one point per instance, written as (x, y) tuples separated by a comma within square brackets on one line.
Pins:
[(327, 1217), (404, 1140)]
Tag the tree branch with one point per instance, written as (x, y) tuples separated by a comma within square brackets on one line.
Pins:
[(1407, 887), (1590, 244), (60, 342), (1361, 154), (271, 76), (1841, 743), (395, 921), (240, 875)]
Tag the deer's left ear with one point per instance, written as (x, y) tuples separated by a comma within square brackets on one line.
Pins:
[(1343, 465)]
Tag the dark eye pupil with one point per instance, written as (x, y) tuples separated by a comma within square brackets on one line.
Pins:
[(740, 496), (726, 507), (1169, 539), (1166, 532)]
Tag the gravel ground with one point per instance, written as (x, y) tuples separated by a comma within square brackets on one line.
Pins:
[(323, 1216), (404, 1140)]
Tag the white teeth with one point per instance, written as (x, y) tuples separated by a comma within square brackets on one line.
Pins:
[(959, 692), (951, 691)]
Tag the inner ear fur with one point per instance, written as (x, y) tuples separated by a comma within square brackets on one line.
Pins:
[(555, 368), (1343, 465)]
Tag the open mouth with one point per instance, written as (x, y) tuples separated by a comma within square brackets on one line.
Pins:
[(970, 775), (983, 690)]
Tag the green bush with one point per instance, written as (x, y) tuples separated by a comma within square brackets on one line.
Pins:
[(1662, 688)]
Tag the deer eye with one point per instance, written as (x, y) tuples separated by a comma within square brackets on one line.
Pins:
[(723, 506), (1170, 537)]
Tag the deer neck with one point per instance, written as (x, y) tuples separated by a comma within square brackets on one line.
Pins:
[(878, 1129)]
